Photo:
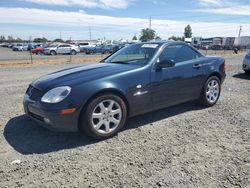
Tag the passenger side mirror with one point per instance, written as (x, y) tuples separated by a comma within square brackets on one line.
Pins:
[(164, 64)]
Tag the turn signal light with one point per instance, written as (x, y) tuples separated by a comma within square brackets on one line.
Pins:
[(68, 111)]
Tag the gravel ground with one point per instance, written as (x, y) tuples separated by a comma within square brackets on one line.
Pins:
[(181, 146)]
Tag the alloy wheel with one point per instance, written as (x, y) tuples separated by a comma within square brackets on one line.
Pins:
[(212, 91), (106, 116)]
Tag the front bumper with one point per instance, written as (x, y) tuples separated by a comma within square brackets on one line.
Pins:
[(50, 118), (246, 63), (46, 52), (246, 67)]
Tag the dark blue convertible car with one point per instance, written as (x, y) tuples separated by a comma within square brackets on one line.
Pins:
[(97, 99)]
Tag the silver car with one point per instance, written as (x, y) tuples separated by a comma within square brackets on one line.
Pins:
[(246, 63), (20, 47), (61, 49)]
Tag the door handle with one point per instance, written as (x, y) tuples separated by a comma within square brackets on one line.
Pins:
[(197, 66)]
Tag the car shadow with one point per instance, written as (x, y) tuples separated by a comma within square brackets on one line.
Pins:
[(26, 136), (242, 76), (155, 116)]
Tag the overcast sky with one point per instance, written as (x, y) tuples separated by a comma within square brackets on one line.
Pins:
[(121, 19)]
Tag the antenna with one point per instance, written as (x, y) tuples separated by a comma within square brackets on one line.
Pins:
[(239, 39)]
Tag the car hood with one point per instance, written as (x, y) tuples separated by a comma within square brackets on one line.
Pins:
[(81, 74), (49, 48)]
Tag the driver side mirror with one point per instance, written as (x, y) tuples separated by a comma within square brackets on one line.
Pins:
[(164, 64)]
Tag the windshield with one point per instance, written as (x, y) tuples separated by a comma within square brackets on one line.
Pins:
[(134, 54)]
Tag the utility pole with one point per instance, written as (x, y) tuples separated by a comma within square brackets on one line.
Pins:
[(239, 39), (150, 22), (60, 35), (90, 34), (240, 31)]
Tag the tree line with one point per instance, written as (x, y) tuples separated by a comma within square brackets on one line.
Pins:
[(150, 34), (10, 39), (146, 35)]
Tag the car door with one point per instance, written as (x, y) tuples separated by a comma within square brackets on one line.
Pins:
[(60, 49), (67, 49), (180, 82)]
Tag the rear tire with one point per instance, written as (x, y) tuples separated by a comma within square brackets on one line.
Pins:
[(103, 117), (210, 93), (73, 52)]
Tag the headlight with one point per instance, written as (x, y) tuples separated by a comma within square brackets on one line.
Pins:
[(56, 95)]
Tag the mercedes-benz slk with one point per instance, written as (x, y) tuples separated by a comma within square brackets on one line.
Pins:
[(97, 99)]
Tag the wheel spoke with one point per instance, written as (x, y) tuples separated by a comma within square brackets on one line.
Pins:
[(111, 104), (107, 127), (117, 111), (115, 121), (102, 107), (97, 116), (99, 124)]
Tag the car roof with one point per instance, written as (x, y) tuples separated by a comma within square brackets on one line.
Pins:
[(165, 42)]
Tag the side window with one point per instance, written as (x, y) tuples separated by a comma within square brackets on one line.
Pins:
[(186, 53), (178, 53), (170, 52)]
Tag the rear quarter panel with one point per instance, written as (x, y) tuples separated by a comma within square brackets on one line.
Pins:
[(215, 65)]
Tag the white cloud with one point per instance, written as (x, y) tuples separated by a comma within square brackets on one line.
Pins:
[(76, 24), (237, 10), (226, 7), (211, 2), (105, 4)]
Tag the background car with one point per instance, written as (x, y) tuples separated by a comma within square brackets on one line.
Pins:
[(246, 63), (20, 47), (61, 49), (37, 50), (85, 45), (97, 99), (100, 48)]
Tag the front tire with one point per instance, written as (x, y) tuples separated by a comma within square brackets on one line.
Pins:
[(211, 91), (53, 52), (104, 117), (247, 71)]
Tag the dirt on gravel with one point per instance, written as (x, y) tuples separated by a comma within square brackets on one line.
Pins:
[(181, 146)]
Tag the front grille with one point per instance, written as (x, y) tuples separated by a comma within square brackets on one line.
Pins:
[(34, 94)]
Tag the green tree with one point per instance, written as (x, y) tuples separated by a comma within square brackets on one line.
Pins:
[(147, 35), (176, 38), (134, 38), (58, 40), (18, 40), (2, 39), (157, 38), (10, 39), (188, 32), (40, 40)]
